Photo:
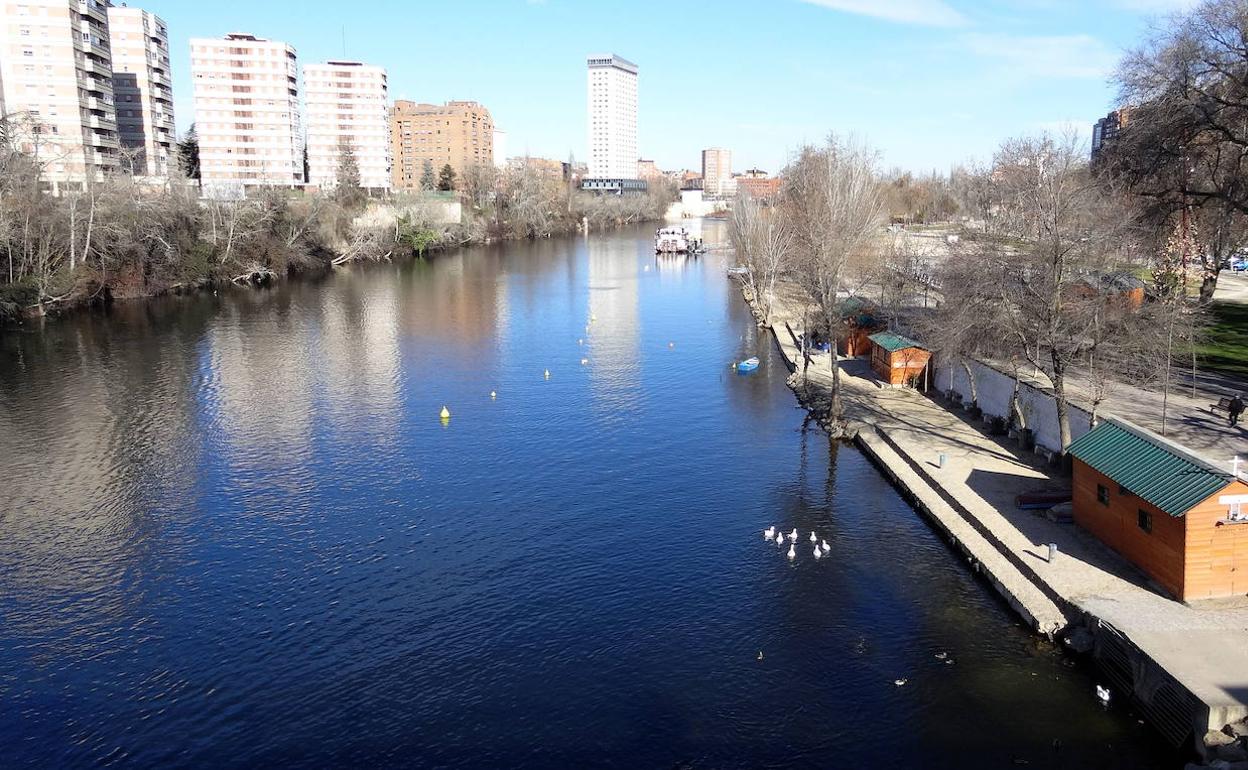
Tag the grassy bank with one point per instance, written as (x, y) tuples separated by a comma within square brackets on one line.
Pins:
[(1226, 342)]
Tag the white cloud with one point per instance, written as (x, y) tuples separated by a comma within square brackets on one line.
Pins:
[(1059, 56), (927, 13)]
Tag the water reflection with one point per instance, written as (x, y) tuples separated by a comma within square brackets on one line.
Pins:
[(613, 324), (234, 531)]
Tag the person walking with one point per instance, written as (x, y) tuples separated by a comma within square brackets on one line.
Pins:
[(1235, 410)]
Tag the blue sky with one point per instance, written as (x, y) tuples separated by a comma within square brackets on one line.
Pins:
[(928, 83)]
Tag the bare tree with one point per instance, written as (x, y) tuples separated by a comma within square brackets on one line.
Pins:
[(834, 208), (1067, 222), (762, 242), (1184, 139)]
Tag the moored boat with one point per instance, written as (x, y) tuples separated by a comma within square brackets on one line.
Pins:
[(748, 365), (672, 240)]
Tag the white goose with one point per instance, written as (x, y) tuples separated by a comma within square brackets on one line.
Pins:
[(1102, 694), (826, 548), (780, 540), (818, 553), (793, 535), (769, 532), (792, 553), (813, 538)]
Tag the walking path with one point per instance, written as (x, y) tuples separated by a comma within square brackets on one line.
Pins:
[(1203, 646)]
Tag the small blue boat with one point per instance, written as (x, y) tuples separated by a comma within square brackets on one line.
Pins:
[(748, 365)]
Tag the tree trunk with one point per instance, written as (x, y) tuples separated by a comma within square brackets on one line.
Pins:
[(970, 381), (1059, 398), (1208, 285)]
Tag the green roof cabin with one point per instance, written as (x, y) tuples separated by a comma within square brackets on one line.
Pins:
[(1178, 517), (898, 360)]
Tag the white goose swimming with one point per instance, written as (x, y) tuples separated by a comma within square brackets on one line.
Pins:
[(793, 535), (825, 546), (792, 553), (818, 553), (780, 540), (769, 532), (813, 537)]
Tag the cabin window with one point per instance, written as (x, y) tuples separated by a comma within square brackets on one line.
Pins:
[(1145, 520), (1102, 494)]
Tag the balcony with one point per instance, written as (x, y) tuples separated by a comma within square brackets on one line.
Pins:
[(94, 9), (99, 122), (87, 64)]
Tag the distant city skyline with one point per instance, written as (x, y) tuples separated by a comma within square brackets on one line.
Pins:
[(928, 83)]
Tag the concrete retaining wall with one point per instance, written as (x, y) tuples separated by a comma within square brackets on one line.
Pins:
[(995, 387)]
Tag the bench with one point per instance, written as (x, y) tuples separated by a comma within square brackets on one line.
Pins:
[(1223, 405)]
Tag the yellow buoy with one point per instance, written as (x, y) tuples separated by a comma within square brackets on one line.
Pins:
[(446, 413), (493, 394), (548, 374)]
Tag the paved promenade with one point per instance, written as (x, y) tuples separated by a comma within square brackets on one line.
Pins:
[(1204, 646)]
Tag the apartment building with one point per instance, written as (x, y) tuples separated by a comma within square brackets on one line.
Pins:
[(56, 87), (347, 103), (460, 134), (612, 117), (142, 90), (717, 172), (246, 113)]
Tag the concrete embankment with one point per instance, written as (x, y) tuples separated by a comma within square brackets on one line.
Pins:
[(1184, 666)]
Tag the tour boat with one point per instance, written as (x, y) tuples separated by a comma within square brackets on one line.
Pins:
[(748, 365), (672, 240)]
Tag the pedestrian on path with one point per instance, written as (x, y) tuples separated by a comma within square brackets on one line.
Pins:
[(1235, 410)]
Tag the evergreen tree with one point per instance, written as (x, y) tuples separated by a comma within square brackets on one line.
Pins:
[(427, 181), (348, 192), (446, 179), (188, 153)]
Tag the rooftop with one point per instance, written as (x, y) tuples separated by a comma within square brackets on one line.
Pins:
[(1150, 467), (894, 342)]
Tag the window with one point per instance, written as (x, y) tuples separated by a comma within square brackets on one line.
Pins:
[(1145, 520), (1102, 494)]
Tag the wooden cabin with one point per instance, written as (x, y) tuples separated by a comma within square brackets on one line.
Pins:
[(896, 359), (1176, 516), (859, 319), (1122, 289)]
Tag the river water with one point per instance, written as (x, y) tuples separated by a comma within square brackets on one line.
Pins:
[(235, 532)]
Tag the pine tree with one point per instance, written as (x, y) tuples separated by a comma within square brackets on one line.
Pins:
[(446, 179), (427, 181)]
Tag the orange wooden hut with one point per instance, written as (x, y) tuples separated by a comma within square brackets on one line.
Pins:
[(860, 320), (896, 359), (1176, 516)]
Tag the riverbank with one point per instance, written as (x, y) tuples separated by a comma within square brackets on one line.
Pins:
[(1184, 666), (383, 232)]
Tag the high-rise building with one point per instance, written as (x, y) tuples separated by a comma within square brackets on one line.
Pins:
[(500, 148), (56, 86), (612, 117), (717, 172), (458, 134), (347, 103), (142, 90), (1105, 130), (246, 113)]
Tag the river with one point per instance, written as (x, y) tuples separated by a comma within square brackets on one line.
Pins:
[(235, 532)]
